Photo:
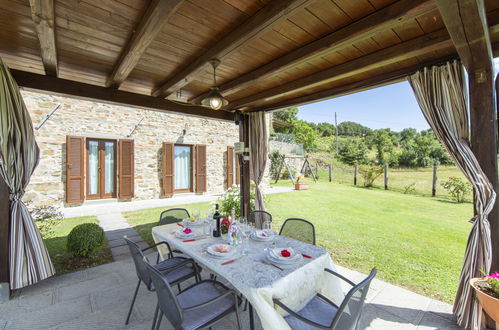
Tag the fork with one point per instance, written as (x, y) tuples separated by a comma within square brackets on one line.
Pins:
[(270, 264)]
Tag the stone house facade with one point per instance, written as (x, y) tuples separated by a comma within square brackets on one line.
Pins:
[(101, 142)]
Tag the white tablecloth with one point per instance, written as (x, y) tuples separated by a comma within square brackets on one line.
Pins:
[(258, 282)]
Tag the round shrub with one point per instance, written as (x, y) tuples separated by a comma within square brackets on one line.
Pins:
[(85, 239)]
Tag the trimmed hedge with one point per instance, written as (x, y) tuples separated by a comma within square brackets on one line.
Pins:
[(85, 239)]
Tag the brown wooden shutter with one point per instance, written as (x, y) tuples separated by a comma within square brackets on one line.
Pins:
[(75, 169), (230, 167), (167, 169), (126, 175), (238, 171), (200, 168)]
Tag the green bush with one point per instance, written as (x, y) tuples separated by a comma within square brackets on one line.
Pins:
[(231, 200), (85, 239), (457, 188), (370, 173)]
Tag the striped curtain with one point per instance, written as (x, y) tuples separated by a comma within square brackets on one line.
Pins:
[(258, 140), (29, 261), (440, 92)]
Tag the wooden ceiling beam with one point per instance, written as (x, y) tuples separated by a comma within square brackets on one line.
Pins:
[(155, 17), (33, 81), (43, 15), (467, 25), (358, 86), (383, 19), (264, 19), (405, 50)]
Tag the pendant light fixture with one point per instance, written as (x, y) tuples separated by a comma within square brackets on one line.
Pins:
[(214, 100)]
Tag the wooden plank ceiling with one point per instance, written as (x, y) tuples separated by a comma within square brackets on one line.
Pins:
[(154, 53)]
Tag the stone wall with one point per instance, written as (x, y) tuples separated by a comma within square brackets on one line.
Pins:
[(93, 119)]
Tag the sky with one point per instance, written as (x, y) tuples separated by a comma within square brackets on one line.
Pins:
[(393, 106)]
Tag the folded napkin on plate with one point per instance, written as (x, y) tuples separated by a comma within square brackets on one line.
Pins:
[(278, 253)]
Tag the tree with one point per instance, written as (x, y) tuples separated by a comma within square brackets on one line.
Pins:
[(325, 129), (304, 134), (408, 134), (382, 143), (353, 151), (350, 128), (288, 115)]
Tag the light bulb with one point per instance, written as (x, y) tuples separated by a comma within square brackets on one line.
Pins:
[(215, 103)]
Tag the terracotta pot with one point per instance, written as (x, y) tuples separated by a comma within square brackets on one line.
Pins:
[(489, 304), (301, 185)]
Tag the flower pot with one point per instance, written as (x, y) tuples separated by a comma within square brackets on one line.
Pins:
[(301, 185), (489, 304)]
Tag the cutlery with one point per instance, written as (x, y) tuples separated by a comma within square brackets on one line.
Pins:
[(179, 224), (307, 256), (188, 240), (271, 264), (228, 262)]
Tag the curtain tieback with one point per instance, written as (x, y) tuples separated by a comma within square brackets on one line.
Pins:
[(16, 197)]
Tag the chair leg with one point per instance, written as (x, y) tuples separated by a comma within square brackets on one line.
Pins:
[(159, 321), (133, 302), (155, 316), (178, 287), (246, 305), (237, 316)]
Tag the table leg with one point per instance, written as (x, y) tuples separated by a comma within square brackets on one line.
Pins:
[(251, 317)]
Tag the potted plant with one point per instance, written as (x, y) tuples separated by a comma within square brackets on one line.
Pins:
[(300, 185), (487, 292)]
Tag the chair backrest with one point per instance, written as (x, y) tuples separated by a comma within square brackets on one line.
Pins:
[(167, 300), (348, 314), (299, 229), (138, 260), (259, 217), (173, 216)]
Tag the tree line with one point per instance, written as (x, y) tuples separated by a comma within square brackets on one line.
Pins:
[(358, 144)]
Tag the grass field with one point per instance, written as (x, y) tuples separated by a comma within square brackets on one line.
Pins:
[(54, 234), (416, 242)]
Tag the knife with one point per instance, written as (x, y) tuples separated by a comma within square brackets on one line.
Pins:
[(188, 240), (179, 224), (306, 256), (228, 262)]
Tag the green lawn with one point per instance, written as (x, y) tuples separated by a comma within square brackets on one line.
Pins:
[(416, 242), (54, 234)]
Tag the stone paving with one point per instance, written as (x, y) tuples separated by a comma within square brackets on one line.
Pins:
[(99, 298), (115, 227)]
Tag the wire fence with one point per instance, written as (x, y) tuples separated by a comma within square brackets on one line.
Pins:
[(418, 181)]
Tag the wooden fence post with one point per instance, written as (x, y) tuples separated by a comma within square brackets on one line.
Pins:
[(355, 173), (330, 172), (386, 176), (434, 184), (316, 167)]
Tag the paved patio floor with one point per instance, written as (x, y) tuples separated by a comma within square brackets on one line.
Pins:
[(98, 298)]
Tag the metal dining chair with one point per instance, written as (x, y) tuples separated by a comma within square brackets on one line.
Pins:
[(199, 306), (173, 216), (259, 217), (174, 269), (298, 229), (322, 313)]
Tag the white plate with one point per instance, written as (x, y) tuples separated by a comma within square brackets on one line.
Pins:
[(258, 235), (274, 255), (196, 223), (212, 251), (180, 234)]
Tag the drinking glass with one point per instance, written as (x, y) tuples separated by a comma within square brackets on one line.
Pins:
[(207, 227), (196, 214)]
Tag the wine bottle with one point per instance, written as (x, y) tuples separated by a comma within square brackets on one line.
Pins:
[(216, 217)]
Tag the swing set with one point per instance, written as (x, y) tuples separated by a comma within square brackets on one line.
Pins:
[(304, 168)]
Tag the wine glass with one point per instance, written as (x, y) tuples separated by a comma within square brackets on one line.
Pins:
[(196, 214)]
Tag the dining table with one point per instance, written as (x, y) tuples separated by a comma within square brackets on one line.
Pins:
[(251, 273)]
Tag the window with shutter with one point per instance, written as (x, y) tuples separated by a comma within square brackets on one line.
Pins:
[(230, 167), (126, 175), (167, 169), (200, 168), (75, 169)]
